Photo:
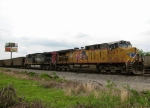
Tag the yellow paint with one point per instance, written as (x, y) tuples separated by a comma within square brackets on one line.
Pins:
[(102, 56)]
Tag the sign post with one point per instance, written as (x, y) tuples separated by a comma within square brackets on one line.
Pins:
[(11, 54)]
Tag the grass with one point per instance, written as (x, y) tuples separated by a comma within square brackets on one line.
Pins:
[(51, 97), (55, 92)]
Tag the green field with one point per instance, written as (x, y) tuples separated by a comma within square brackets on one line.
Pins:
[(54, 92)]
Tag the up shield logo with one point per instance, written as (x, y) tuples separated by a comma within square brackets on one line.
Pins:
[(131, 54)]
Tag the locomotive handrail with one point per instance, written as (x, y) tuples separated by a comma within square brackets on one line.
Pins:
[(128, 60), (133, 58)]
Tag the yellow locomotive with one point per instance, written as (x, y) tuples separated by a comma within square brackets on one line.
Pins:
[(112, 57)]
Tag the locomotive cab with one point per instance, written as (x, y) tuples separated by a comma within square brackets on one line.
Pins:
[(125, 56), (116, 52), (63, 59), (42, 58), (30, 58), (130, 56)]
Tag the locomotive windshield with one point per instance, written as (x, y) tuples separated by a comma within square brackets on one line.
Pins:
[(124, 44), (129, 44)]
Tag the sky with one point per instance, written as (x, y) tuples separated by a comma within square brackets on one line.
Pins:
[(50, 25)]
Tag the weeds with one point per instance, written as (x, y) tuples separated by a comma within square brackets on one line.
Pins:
[(110, 84), (140, 98), (8, 70), (34, 104), (54, 75), (1, 68), (8, 97), (23, 72), (32, 74)]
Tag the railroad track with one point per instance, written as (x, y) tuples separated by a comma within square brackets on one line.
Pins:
[(146, 73)]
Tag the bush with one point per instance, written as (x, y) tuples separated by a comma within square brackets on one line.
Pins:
[(9, 98), (55, 76), (44, 75), (23, 72)]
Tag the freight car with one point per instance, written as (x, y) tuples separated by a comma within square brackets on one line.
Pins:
[(147, 61), (14, 62), (18, 62), (112, 57), (147, 64), (8, 62), (1, 63)]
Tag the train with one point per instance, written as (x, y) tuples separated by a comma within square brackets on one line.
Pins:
[(112, 57)]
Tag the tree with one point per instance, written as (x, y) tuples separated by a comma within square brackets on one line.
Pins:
[(141, 52)]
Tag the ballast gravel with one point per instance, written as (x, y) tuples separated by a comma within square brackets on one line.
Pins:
[(140, 83)]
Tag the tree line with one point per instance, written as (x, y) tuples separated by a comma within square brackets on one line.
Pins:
[(141, 52)]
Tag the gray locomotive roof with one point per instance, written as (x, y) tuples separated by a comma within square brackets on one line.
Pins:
[(106, 43), (66, 50), (46, 52), (60, 51), (95, 44), (34, 53), (115, 42)]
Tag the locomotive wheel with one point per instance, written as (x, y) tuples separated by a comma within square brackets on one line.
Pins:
[(60, 69), (52, 67), (138, 68), (65, 69), (43, 67)]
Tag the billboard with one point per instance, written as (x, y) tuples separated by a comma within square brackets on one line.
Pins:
[(11, 47), (11, 44)]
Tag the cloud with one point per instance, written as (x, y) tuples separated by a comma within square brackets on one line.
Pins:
[(147, 22), (56, 25), (146, 33), (82, 35), (49, 43)]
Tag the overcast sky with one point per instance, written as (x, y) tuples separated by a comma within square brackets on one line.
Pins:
[(47, 25)]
